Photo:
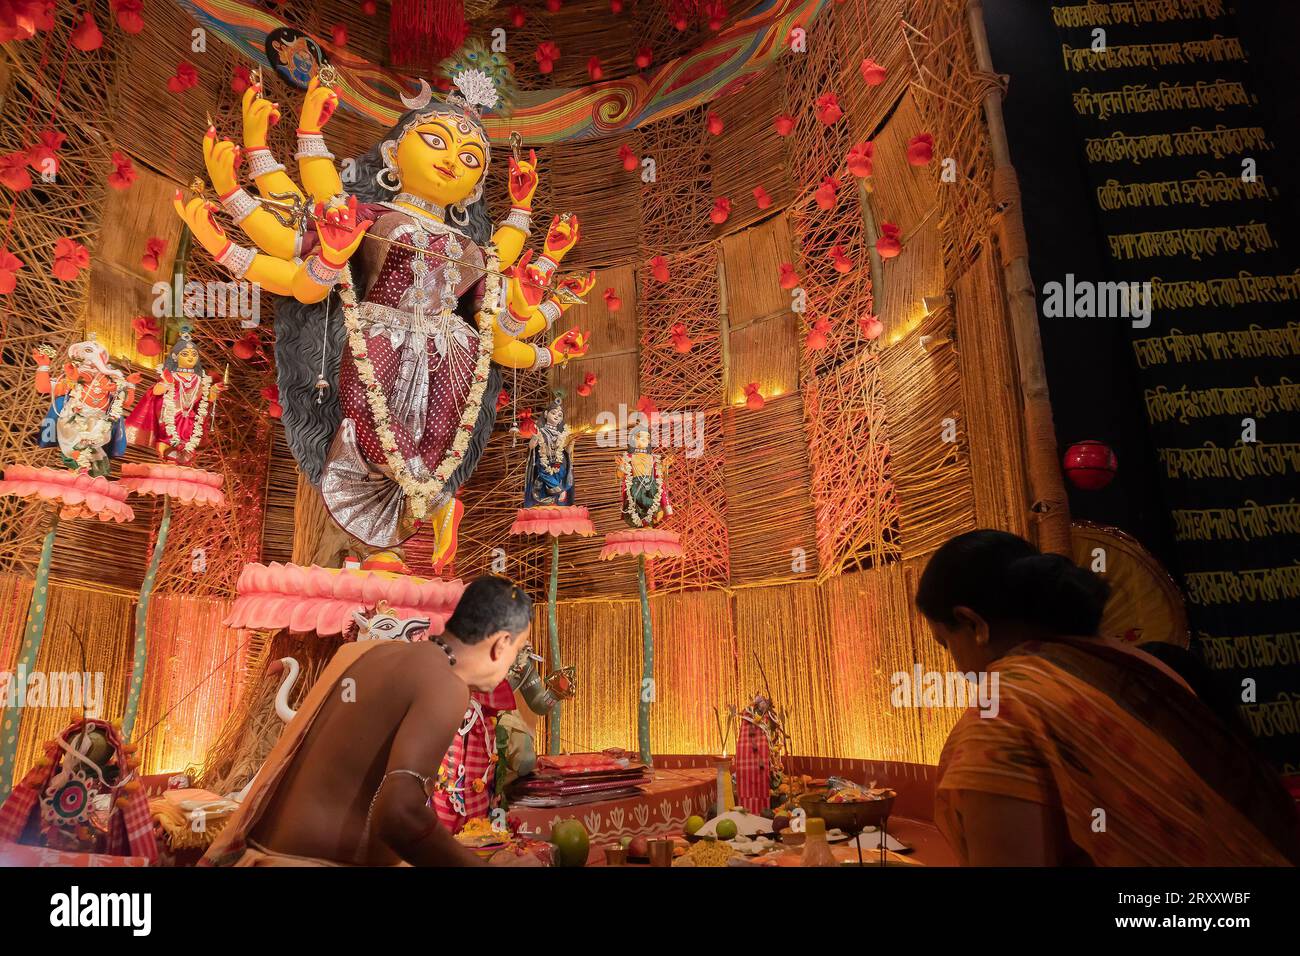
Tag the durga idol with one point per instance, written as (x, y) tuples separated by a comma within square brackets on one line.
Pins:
[(388, 411)]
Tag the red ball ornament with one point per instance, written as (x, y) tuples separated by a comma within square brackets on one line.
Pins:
[(1090, 465)]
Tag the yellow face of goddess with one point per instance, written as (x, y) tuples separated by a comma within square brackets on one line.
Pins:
[(441, 160), (187, 358)]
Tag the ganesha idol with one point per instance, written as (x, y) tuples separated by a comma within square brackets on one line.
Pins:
[(87, 403), (388, 410)]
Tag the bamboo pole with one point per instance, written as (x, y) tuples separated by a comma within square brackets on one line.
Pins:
[(140, 654), (1047, 489), (12, 718)]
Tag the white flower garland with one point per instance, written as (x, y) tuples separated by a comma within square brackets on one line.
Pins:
[(625, 466), (423, 491), (170, 411)]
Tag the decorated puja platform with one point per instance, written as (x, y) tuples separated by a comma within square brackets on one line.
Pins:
[(563, 433)]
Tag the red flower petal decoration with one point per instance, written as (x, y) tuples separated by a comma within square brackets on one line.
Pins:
[(241, 78), (647, 407), (153, 250), (517, 16), (828, 108), (920, 149), (185, 77), (615, 6), (753, 397), (43, 157), (721, 210), (629, 158), (761, 197), (787, 277), (553, 6), (860, 158), (644, 57), (873, 74), (889, 244), (588, 381), (612, 302), (527, 427), (783, 124), (86, 36), (123, 174), (339, 34), (369, 8), (680, 23), (871, 327), (594, 69), (681, 341), (13, 171), (826, 193), (247, 347), (716, 12), (130, 15), (713, 122), (145, 325), (546, 55), (840, 259), (503, 399), (9, 266), (70, 257), (819, 335), (659, 268)]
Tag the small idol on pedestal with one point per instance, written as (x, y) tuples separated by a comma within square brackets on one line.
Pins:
[(548, 478), (174, 417), (86, 408), (643, 472)]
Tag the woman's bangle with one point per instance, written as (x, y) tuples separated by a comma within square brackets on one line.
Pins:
[(236, 259), (321, 272), (261, 162), (312, 145), (239, 204)]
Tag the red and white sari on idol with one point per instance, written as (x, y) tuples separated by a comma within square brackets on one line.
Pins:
[(185, 402), (468, 769), (422, 347)]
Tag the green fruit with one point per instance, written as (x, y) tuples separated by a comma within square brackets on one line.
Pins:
[(625, 842), (726, 829), (571, 843), (693, 824)]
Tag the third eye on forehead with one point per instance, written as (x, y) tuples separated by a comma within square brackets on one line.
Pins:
[(451, 131)]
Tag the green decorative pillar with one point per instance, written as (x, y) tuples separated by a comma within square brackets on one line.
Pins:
[(553, 719), (647, 691), (141, 652), (11, 723)]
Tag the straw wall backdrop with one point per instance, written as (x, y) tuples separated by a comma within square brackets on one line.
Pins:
[(804, 522)]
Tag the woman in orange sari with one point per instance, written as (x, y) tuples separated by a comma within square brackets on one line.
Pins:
[(1097, 754)]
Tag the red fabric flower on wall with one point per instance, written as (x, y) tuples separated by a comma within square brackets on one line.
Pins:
[(681, 341), (527, 427), (819, 335), (594, 69), (713, 123), (546, 55), (871, 327), (185, 77), (370, 8), (123, 174), (826, 193), (553, 6), (630, 160), (873, 74), (272, 396), (840, 259), (753, 397), (860, 159), (339, 34), (828, 109), (612, 302), (18, 20), (920, 149), (13, 171), (503, 399), (153, 250), (787, 276), (241, 79), (783, 124), (517, 16), (588, 383), (721, 210), (716, 12), (86, 36), (647, 407), (761, 197), (615, 6), (247, 347), (659, 268), (644, 57), (148, 334), (9, 266), (130, 15), (70, 257), (889, 244)]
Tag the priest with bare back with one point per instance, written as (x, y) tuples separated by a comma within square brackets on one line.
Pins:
[(348, 783)]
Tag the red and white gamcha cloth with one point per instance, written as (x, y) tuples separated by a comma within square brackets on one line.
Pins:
[(468, 768), (753, 767)]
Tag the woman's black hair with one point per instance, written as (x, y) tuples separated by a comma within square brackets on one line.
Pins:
[(1004, 578), (311, 420)]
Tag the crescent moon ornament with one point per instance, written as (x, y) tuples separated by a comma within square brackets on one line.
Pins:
[(421, 99)]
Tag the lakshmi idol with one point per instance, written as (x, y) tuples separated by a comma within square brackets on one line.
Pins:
[(174, 417), (388, 409)]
